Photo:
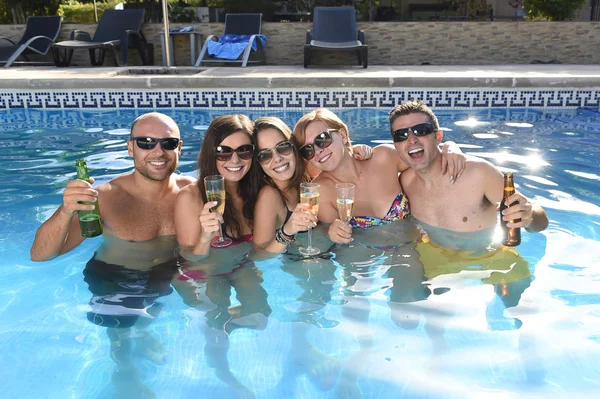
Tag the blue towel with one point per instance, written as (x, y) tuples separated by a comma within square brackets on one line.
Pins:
[(182, 29), (230, 47)]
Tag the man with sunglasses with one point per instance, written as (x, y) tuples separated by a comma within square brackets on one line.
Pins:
[(134, 265), (136, 206), (467, 205)]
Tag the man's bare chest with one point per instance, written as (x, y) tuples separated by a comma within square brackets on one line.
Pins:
[(140, 221), (453, 209)]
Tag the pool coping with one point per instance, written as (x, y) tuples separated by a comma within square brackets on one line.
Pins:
[(549, 76)]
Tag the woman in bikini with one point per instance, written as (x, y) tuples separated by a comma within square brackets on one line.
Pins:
[(278, 209), (209, 273), (278, 213), (378, 201), (378, 197)]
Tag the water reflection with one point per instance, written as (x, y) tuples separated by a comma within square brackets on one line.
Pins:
[(127, 279), (206, 287)]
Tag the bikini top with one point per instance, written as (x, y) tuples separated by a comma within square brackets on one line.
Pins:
[(399, 209)]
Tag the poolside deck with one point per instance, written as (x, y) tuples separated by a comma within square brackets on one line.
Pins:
[(295, 77)]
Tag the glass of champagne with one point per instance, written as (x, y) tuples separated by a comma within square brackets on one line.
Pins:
[(345, 201), (215, 191), (309, 194)]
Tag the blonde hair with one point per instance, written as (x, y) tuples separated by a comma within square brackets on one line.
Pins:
[(327, 117)]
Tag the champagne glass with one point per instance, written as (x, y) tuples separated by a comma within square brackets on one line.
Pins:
[(309, 194), (215, 191), (345, 201)]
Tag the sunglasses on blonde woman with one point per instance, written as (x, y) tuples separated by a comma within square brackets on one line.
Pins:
[(323, 140)]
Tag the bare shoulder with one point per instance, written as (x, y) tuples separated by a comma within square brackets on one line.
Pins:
[(270, 200), (268, 194), (480, 168), (327, 185), (189, 196), (183, 181), (407, 178), (116, 186), (384, 153)]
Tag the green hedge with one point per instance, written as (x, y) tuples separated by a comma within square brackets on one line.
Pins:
[(84, 13)]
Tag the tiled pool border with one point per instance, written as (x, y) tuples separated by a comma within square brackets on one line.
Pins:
[(299, 98)]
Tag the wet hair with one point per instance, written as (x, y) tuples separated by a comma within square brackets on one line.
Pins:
[(413, 107), (219, 129), (320, 115), (300, 173)]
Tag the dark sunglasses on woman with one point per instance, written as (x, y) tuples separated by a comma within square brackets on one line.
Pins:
[(244, 152), (420, 130), (323, 140), (148, 143), (283, 148)]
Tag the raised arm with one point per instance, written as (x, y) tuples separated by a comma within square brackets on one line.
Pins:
[(269, 215), (533, 216), (453, 159), (61, 232), (194, 223)]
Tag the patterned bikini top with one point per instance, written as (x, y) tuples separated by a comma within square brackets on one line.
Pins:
[(400, 209)]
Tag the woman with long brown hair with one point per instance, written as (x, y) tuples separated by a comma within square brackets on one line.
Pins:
[(278, 209), (207, 276), (227, 150)]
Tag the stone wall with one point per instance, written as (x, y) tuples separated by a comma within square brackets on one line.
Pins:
[(402, 43)]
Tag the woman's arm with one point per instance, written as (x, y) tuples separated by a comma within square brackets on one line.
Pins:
[(194, 223), (267, 217), (269, 213)]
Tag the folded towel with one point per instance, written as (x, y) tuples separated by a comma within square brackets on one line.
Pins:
[(230, 47), (182, 29)]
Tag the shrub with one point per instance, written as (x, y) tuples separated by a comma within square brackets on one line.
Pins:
[(84, 13), (552, 10)]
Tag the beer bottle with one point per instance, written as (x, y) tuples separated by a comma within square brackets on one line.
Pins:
[(511, 237), (89, 221)]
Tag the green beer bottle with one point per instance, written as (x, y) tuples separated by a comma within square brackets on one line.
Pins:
[(89, 221)]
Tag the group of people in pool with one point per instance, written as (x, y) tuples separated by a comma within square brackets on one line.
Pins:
[(152, 211), (263, 164)]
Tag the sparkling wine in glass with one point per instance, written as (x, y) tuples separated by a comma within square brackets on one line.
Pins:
[(215, 191), (309, 194), (345, 201)]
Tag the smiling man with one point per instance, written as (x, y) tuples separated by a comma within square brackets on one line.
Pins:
[(467, 205), (138, 206), (134, 265)]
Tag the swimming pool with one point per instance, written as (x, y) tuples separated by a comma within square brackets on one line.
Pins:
[(333, 322)]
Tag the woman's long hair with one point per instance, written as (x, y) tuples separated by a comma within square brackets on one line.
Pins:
[(220, 128), (300, 173)]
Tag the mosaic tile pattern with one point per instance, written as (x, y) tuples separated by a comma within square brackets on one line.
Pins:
[(296, 99), (363, 120)]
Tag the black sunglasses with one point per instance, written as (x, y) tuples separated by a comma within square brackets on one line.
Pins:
[(244, 152), (148, 143), (323, 140), (420, 130), (284, 148)]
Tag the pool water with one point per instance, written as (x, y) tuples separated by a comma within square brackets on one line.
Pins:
[(361, 322)]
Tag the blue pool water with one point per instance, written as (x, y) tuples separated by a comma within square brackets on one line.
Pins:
[(360, 325)]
